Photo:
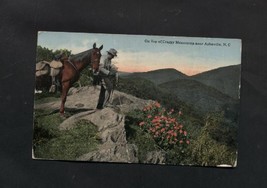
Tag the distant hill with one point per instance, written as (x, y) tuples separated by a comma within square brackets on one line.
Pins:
[(145, 89), (225, 79), (204, 98), (123, 74), (158, 76), (209, 91)]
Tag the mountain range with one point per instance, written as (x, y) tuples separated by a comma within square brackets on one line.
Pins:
[(224, 79), (158, 76), (208, 91)]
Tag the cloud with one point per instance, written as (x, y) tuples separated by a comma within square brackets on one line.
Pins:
[(136, 56), (57, 41), (82, 45)]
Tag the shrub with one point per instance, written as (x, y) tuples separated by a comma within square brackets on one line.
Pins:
[(137, 136), (209, 150), (166, 127)]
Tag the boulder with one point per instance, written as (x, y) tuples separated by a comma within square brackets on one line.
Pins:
[(126, 153), (87, 97), (110, 123), (155, 157), (111, 132)]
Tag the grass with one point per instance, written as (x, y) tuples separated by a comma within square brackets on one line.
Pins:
[(51, 143), (202, 150), (211, 140), (135, 135), (46, 97)]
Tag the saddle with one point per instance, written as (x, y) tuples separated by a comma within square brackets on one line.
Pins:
[(55, 68), (44, 68)]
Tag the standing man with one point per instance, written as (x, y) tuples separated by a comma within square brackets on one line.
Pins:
[(108, 75)]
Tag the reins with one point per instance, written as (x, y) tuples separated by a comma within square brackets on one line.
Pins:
[(72, 65)]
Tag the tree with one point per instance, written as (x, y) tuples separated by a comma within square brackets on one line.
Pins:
[(45, 54), (64, 51)]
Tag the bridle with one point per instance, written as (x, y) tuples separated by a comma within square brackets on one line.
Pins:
[(94, 61)]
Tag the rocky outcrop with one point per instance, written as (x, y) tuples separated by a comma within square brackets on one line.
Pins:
[(86, 98), (111, 132), (155, 157), (110, 122)]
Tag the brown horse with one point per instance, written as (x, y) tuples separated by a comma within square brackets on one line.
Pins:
[(72, 68)]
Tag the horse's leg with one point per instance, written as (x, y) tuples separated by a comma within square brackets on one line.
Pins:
[(65, 89)]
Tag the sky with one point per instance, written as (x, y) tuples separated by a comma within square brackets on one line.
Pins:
[(141, 53)]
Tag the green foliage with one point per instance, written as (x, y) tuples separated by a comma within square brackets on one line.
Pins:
[(85, 78), (204, 147), (166, 127), (208, 152), (45, 54), (221, 129), (50, 143), (135, 135), (140, 131), (145, 89), (139, 87), (44, 97), (211, 147), (65, 52)]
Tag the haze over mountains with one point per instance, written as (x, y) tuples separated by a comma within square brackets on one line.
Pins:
[(224, 79), (158, 76), (207, 91)]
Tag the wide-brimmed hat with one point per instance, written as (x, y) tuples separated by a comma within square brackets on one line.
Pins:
[(113, 52)]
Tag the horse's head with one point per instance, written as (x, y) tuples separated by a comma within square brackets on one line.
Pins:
[(95, 57)]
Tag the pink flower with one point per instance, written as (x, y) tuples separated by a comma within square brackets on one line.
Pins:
[(157, 104), (188, 142), (141, 123), (149, 116), (171, 111), (163, 117), (155, 120), (173, 120), (185, 133)]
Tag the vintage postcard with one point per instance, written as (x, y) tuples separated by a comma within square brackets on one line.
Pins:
[(137, 99)]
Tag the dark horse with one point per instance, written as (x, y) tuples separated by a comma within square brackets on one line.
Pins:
[(72, 68)]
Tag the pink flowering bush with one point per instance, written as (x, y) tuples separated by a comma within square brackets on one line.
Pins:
[(166, 127)]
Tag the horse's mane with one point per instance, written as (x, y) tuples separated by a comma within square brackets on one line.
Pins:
[(81, 56)]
